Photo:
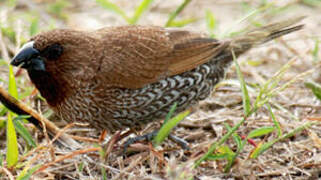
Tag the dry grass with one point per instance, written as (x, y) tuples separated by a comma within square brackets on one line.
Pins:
[(297, 157)]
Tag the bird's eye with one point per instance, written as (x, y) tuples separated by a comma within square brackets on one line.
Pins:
[(52, 52)]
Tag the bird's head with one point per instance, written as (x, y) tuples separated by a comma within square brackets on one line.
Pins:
[(59, 51), (59, 58)]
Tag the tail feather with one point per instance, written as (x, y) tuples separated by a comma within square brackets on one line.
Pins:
[(278, 25), (246, 41), (283, 32), (266, 33)]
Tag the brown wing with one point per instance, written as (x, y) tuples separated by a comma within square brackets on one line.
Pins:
[(136, 55)]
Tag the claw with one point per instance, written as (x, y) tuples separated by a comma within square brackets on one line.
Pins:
[(150, 136), (146, 137)]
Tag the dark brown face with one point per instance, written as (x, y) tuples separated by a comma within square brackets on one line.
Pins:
[(33, 59), (64, 54), (59, 62)]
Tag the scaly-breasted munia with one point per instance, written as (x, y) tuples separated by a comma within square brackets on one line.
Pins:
[(128, 76)]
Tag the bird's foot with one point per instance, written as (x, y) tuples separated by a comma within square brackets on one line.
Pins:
[(146, 137), (150, 136), (181, 142)]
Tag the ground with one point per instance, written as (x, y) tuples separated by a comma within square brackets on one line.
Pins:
[(294, 106)]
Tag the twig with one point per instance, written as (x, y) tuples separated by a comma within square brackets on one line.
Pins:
[(38, 120), (70, 155), (111, 143), (84, 139), (129, 168), (10, 176)]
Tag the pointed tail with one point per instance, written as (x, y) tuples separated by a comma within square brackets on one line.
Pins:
[(264, 34)]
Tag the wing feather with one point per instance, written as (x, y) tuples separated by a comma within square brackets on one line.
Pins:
[(137, 55)]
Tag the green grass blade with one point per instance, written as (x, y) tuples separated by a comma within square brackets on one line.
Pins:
[(312, 3), (315, 88), (245, 93), (276, 123), (288, 83), (224, 152), (168, 126), (176, 12), (104, 174), (80, 167), (214, 146), (284, 110), (3, 123), (1, 160), (139, 10), (254, 12), (113, 7), (236, 137), (262, 148), (12, 83), (260, 132), (12, 144), (12, 3), (8, 32), (170, 113), (240, 145), (27, 173), (315, 52), (58, 8), (34, 26), (274, 81), (216, 157), (268, 92), (210, 22), (233, 158), (182, 23), (24, 132)]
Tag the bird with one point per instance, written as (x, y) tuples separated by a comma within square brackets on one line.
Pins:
[(123, 77)]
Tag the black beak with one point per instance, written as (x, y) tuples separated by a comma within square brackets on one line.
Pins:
[(28, 58)]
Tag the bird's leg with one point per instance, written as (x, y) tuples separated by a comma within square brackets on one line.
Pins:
[(181, 142), (150, 136), (147, 137)]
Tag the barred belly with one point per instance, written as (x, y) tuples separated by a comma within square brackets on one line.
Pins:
[(121, 108)]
